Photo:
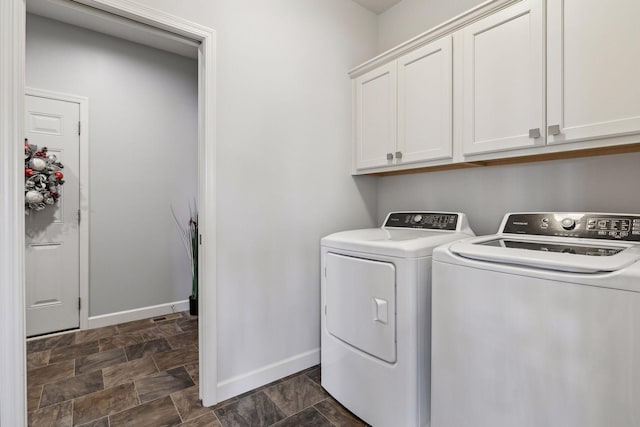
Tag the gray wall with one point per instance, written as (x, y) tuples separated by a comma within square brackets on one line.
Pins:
[(597, 184), (284, 117), (284, 153), (409, 18), (602, 184), (143, 136)]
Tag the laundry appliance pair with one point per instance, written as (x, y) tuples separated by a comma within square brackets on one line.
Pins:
[(536, 325)]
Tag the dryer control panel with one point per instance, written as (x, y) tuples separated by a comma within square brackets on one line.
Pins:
[(423, 220), (570, 224)]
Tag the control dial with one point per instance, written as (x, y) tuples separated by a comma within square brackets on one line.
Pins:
[(417, 218), (568, 223)]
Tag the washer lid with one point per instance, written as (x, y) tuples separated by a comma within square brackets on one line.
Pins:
[(562, 254)]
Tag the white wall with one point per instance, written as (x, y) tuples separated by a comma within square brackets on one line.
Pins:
[(284, 153), (409, 18), (284, 143), (143, 136), (486, 194)]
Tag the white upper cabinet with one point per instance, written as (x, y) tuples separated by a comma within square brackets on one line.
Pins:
[(425, 92), (593, 88), (375, 117), (403, 109), (503, 80), (520, 79)]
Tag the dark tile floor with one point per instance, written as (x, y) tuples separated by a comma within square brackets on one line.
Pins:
[(145, 373)]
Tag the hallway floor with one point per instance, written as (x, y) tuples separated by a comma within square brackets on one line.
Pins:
[(145, 373)]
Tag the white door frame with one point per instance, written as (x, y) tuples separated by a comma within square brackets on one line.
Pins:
[(83, 228), (12, 284)]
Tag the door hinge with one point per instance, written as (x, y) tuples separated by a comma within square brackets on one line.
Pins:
[(78, 128), (79, 303), (79, 216)]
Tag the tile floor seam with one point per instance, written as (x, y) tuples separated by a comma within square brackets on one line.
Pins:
[(177, 410), (39, 398), (215, 415), (108, 416), (155, 364), (57, 403), (322, 414), (135, 388)]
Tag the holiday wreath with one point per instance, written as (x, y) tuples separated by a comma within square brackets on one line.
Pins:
[(42, 177)]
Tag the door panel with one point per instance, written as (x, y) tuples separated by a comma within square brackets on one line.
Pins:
[(503, 77), (511, 350), (425, 93), (594, 58), (376, 117), (52, 237), (361, 304)]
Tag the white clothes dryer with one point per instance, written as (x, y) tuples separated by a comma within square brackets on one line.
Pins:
[(539, 325), (376, 315)]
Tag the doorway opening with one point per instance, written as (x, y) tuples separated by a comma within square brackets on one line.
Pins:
[(12, 402)]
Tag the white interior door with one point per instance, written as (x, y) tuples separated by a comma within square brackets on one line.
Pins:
[(52, 235)]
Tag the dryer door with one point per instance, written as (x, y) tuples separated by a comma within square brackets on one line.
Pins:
[(361, 304)]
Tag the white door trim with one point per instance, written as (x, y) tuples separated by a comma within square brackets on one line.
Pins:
[(12, 87), (13, 409), (83, 229)]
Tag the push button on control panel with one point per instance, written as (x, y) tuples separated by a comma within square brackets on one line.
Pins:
[(568, 223)]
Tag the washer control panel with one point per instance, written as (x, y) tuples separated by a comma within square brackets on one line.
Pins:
[(580, 225), (423, 220)]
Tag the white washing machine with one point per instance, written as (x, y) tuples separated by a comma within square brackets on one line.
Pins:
[(539, 325), (375, 315)]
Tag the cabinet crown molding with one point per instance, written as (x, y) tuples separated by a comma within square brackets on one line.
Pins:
[(447, 27)]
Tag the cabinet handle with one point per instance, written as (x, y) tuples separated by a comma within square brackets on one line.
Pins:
[(534, 133), (398, 154), (389, 156), (554, 130)]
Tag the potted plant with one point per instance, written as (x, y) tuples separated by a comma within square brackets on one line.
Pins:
[(189, 236)]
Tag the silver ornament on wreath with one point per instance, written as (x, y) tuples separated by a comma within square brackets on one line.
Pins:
[(42, 178)]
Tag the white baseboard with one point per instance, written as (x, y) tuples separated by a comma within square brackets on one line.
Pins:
[(261, 376), (137, 314)]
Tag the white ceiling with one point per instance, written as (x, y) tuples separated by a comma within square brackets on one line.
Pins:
[(377, 6)]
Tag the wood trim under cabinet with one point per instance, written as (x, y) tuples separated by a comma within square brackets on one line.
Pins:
[(575, 154)]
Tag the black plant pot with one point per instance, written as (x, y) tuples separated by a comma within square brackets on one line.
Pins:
[(193, 306)]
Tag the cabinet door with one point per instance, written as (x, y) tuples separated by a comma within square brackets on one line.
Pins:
[(593, 69), (425, 95), (503, 80), (376, 109)]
